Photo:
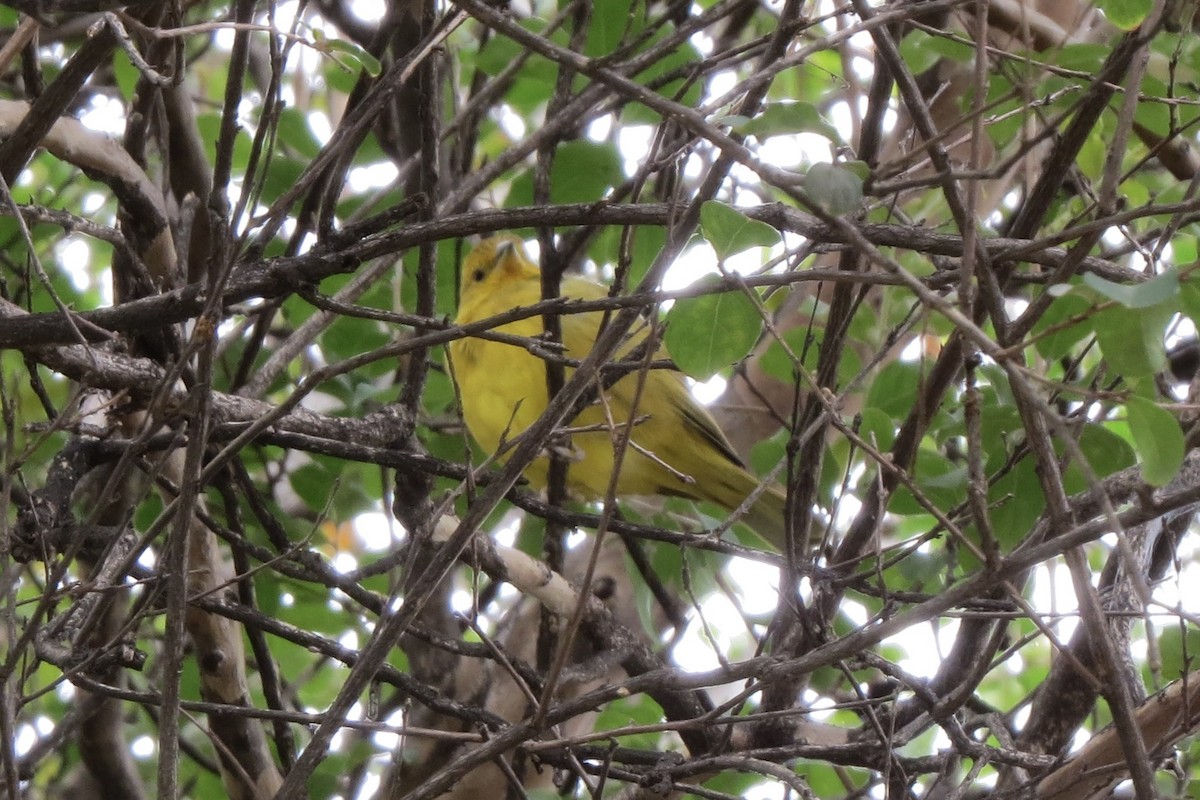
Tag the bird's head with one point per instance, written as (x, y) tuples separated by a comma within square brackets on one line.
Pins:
[(495, 261)]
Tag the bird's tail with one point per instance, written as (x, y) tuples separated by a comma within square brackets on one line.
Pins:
[(728, 484)]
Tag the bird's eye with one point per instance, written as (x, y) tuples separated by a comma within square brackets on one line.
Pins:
[(478, 275)]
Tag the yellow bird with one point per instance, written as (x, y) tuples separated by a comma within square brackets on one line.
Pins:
[(676, 448)]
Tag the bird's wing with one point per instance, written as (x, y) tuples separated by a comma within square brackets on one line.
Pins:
[(663, 388)]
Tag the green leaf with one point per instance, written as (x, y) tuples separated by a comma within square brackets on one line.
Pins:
[(739, 784), (1105, 451), (787, 118), (610, 22), (729, 231), (894, 390), (1016, 501), (583, 172), (500, 52), (1157, 438), (803, 344), (766, 453), (647, 244), (952, 48), (147, 511), (708, 333), (666, 76), (1189, 296), (836, 189), (1066, 319), (877, 428), (313, 484), (350, 56), (1157, 117), (940, 481), (1132, 341), (1157, 290), (1179, 651), (1002, 124), (126, 73), (1183, 249), (535, 78), (859, 169), (1083, 57), (347, 337), (1003, 430), (294, 132), (918, 51), (1126, 14)]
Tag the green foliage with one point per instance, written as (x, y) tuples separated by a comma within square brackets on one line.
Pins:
[(1158, 440), (347, 55), (1126, 14), (610, 26), (835, 188), (582, 172), (894, 389), (1084, 57), (940, 482), (734, 784), (784, 118), (919, 52), (799, 348), (1132, 339), (1106, 452), (707, 333), (1016, 502), (1064, 325), (669, 76), (645, 245), (1178, 650), (730, 232), (1160, 289)]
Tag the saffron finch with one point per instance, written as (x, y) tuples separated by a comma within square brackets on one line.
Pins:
[(676, 448)]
